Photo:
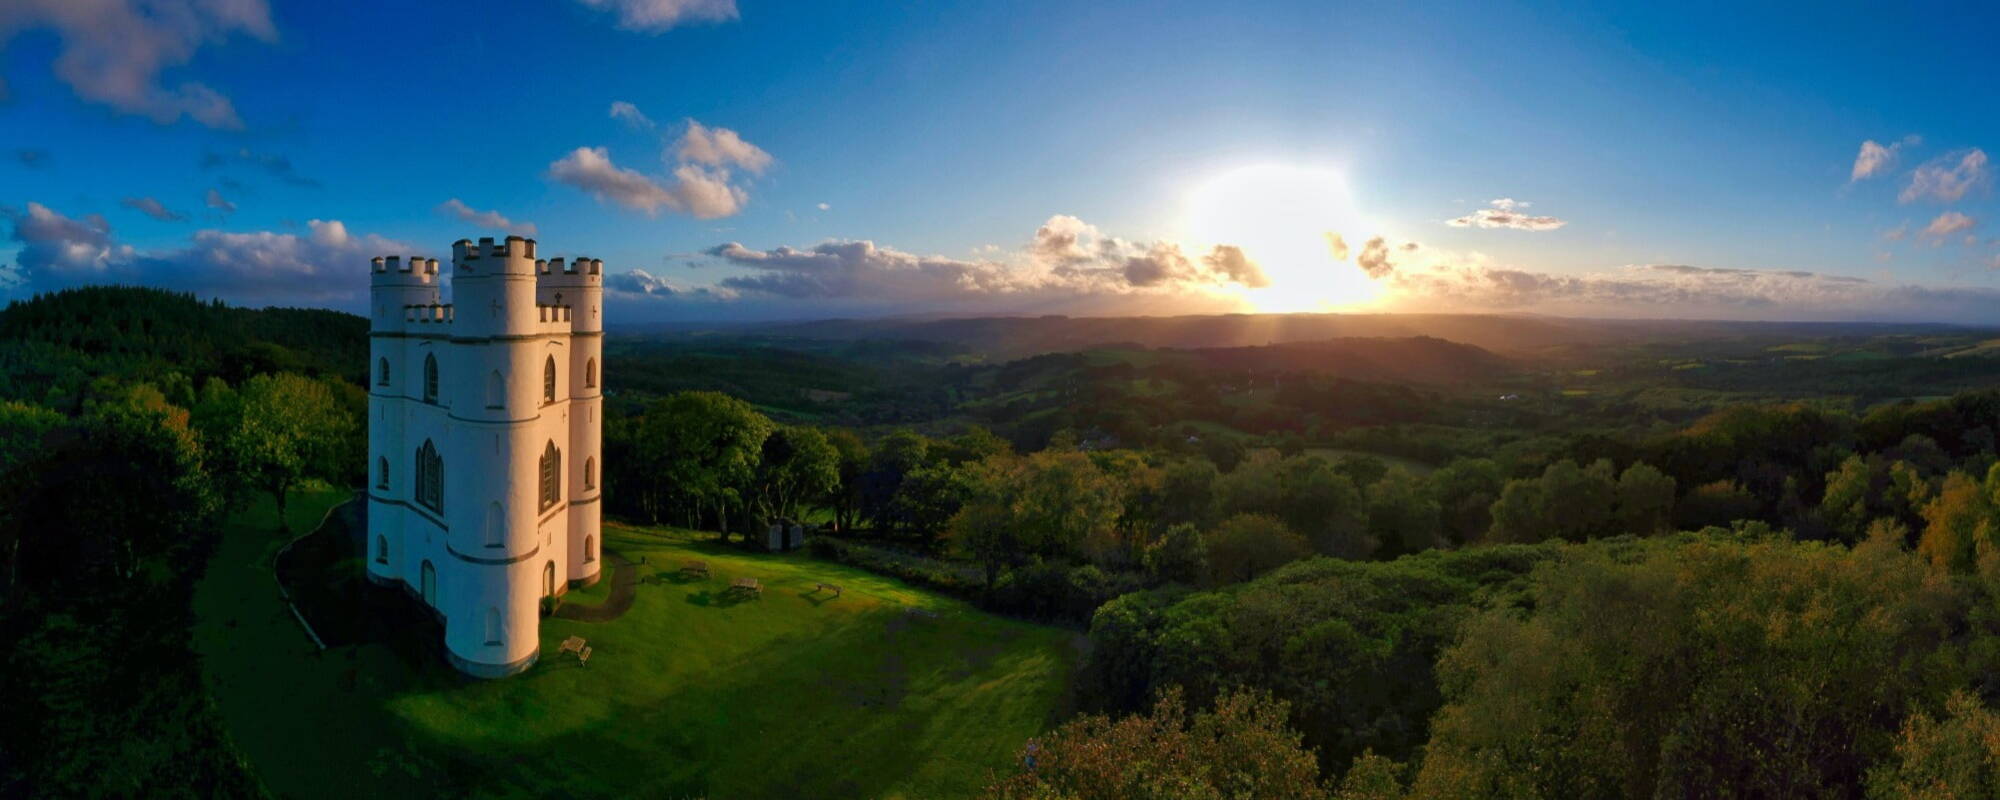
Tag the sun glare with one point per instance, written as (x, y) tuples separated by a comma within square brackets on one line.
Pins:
[(1281, 216)]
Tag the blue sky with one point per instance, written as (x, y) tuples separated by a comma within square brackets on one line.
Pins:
[(840, 159)]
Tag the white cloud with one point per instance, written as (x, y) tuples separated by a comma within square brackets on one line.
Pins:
[(1948, 223), (1505, 213), (825, 207), (720, 147), (485, 219), (654, 16), (113, 51), (697, 192), (152, 208), (323, 266), (1066, 260), (1874, 159), (631, 114), (1949, 177), (701, 185), (1336, 246)]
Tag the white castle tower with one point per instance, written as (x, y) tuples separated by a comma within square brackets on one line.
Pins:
[(483, 441)]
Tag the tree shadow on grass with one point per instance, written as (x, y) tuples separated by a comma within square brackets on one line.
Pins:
[(721, 599)]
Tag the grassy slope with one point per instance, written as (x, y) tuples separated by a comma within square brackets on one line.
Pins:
[(686, 695)]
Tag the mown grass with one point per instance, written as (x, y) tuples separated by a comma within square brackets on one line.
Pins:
[(689, 694)]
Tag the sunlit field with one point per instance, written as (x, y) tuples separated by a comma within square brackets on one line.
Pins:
[(689, 694)]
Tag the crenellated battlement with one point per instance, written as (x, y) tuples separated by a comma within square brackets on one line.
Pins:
[(467, 256), (428, 312), (394, 270)]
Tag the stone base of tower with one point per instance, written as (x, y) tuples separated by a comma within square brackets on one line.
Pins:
[(479, 669), (587, 580)]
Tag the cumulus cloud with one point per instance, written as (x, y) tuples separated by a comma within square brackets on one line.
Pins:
[(1374, 258), (1066, 259), (640, 283), (1505, 212), (631, 114), (1471, 282), (325, 265), (1949, 177), (720, 147), (701, 182), (113, 51), (152, 208), (1876, 158), (276, 166), (655, 16), (486, 219), (1948, 223), (215, 200), (825, 207), (1336, 246)]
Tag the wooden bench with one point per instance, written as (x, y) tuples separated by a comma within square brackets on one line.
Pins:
[(573, 644), (695, 568), (583, 657), (827, 587), (747, 586)]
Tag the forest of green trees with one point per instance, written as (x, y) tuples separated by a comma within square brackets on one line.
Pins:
[(1770, 599)]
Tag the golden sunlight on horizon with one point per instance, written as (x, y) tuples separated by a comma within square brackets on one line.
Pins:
[(1280, 215)]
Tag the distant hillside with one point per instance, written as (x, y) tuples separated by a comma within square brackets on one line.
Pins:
[(1012, 337), (1419, 359), (53, 345)]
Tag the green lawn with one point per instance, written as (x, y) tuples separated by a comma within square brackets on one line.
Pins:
[(687, 695)]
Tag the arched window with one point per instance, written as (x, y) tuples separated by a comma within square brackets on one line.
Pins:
[(496, 525), (430, 378), (382, 372), (381, 549), (590, 473), (496, 390), (589, 549), (549, 381), (381, 472), (427, 583), (549, 580), (590, 373), (430, 477), (494, 631), (551, 476)]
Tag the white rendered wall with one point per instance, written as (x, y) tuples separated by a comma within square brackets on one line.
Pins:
[(488, 590)]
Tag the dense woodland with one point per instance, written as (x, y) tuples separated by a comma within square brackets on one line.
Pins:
[(1629, 560)]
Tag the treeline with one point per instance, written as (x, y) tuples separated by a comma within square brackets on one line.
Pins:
[(53, 346), (1831, 635), (106, 517)]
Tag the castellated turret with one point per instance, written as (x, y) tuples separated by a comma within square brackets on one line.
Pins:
[(483, 439)]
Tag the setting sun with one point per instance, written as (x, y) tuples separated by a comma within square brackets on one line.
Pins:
[(1281, 216)]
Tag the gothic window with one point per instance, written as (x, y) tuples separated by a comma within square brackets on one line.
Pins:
[(590, 373), (496, 390), (496, 525), (427, 583), (549, 380), (590, 473), (382, 472), (381, 549), (382, 372), (549, 580), (589, 549), (430, 378), (551, 476), (493, 628), (430, 477)]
